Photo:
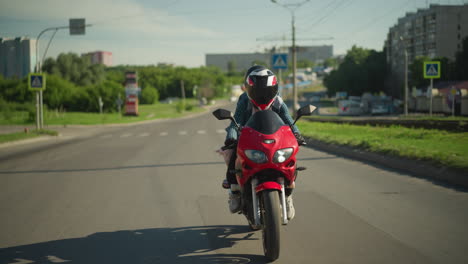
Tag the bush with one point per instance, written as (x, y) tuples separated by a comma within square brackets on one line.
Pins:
[(180, 106), (149, 95)]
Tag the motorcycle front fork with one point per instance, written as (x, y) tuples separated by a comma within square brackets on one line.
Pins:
[(256, 203)]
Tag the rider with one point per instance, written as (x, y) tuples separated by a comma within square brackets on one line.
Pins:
[(261, 93)]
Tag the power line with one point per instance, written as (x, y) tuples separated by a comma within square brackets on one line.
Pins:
[(316, 22), (374, 21)]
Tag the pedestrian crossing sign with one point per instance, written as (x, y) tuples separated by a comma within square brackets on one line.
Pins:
[(431, 69), (37, 82), (280, 61)]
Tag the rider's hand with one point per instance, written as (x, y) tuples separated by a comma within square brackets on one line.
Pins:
[(300, 139), (229, 141)]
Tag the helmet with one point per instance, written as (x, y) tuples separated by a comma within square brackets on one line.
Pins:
[(261, 86)]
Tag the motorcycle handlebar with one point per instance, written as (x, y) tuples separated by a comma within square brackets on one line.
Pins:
[(228, 146)]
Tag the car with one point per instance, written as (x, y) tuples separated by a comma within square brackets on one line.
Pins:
[(379, 108), (350, 107)]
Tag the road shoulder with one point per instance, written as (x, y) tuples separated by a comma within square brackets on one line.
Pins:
[(416, 168)]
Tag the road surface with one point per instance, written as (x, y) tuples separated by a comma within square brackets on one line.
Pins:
[(150, 193)]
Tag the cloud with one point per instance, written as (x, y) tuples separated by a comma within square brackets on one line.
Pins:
[(111, 16)]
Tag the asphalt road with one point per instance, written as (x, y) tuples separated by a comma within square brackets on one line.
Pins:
[(151, 193)]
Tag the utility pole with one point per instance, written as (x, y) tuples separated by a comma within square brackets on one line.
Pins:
[(292, 8), (406, 76), (182, 90)]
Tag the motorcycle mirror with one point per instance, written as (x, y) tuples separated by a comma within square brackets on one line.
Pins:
[(304, 111), (222, 114)]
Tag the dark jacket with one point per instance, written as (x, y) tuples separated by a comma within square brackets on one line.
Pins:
[(244, 111)]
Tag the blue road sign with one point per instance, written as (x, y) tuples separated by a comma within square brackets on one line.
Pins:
[(280, 61), (36, 82), (431, 69)]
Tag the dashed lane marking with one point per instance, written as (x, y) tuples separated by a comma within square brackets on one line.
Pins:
[(201, 132), (163, 134)]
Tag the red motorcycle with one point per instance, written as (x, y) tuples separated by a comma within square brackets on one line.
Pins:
[(266, 163)]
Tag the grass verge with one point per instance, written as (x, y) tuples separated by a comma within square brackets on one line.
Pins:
[(21, 135), (440, 147), (146, 112)]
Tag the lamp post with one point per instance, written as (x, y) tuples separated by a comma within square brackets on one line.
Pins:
[(406, 76), (292, 8), (77, 27)]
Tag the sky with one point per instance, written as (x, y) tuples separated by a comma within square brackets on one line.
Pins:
[(182, 32)]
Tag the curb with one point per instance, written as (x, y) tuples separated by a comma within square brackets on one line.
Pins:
[(417, 168)]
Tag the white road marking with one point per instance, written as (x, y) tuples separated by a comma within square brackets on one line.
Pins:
[(182, 133), (220, 131), (125, 135), (163, 134), (143, 135), (106, 136), (201, 132)]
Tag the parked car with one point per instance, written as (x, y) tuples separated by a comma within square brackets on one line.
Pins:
[(350, 107), (380, 108)]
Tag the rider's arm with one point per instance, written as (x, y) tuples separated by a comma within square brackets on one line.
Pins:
[(239, 116), (284, 114)]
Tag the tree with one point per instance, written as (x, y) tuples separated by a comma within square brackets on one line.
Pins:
[(231, 68), (461, 61), (331, 62), (362, 71), (149, 95), (75, 69), (305, 64)]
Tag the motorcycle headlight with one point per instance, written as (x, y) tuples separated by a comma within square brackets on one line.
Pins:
[(282, 155), (256, 156)]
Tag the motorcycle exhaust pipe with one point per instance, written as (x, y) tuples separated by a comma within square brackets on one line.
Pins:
[(255, 203)]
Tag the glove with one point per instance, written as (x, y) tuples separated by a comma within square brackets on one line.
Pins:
[(229, 141), (300, 139)]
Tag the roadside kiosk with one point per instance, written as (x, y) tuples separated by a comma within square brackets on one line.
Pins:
[(131, 93)]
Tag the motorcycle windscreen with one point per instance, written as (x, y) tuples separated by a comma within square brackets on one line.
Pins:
[(266, 122)]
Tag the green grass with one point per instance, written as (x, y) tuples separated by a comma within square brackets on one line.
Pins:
[(441, 147), (146, 112), (21, 135)]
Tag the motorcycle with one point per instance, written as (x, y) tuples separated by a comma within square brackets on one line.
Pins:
[(266, 163)]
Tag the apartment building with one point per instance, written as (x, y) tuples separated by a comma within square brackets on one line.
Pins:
[(17, 56), (100, 57), (437, 31)]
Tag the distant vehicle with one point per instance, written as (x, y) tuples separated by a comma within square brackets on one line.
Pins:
[(379, 109), (350, 107)]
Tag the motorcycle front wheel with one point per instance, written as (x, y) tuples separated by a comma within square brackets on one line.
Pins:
[(271, 216)]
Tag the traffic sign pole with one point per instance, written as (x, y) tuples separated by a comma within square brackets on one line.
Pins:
[(38, 122), (431, 71), (42, 110), (430, 104)]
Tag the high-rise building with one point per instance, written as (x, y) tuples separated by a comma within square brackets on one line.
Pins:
[(100, 57), (437, 31), (17, 56)]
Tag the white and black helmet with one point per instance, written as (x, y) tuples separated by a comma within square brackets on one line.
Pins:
[(261, 86)]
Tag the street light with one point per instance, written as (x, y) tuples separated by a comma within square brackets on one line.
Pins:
[(76, 27), (292, 8), (406, 75)]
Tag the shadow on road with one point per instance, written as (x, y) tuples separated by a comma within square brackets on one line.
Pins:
[(136, 167), (195, 244)]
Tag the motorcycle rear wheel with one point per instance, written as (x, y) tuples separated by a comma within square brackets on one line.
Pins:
[(271, 215)]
